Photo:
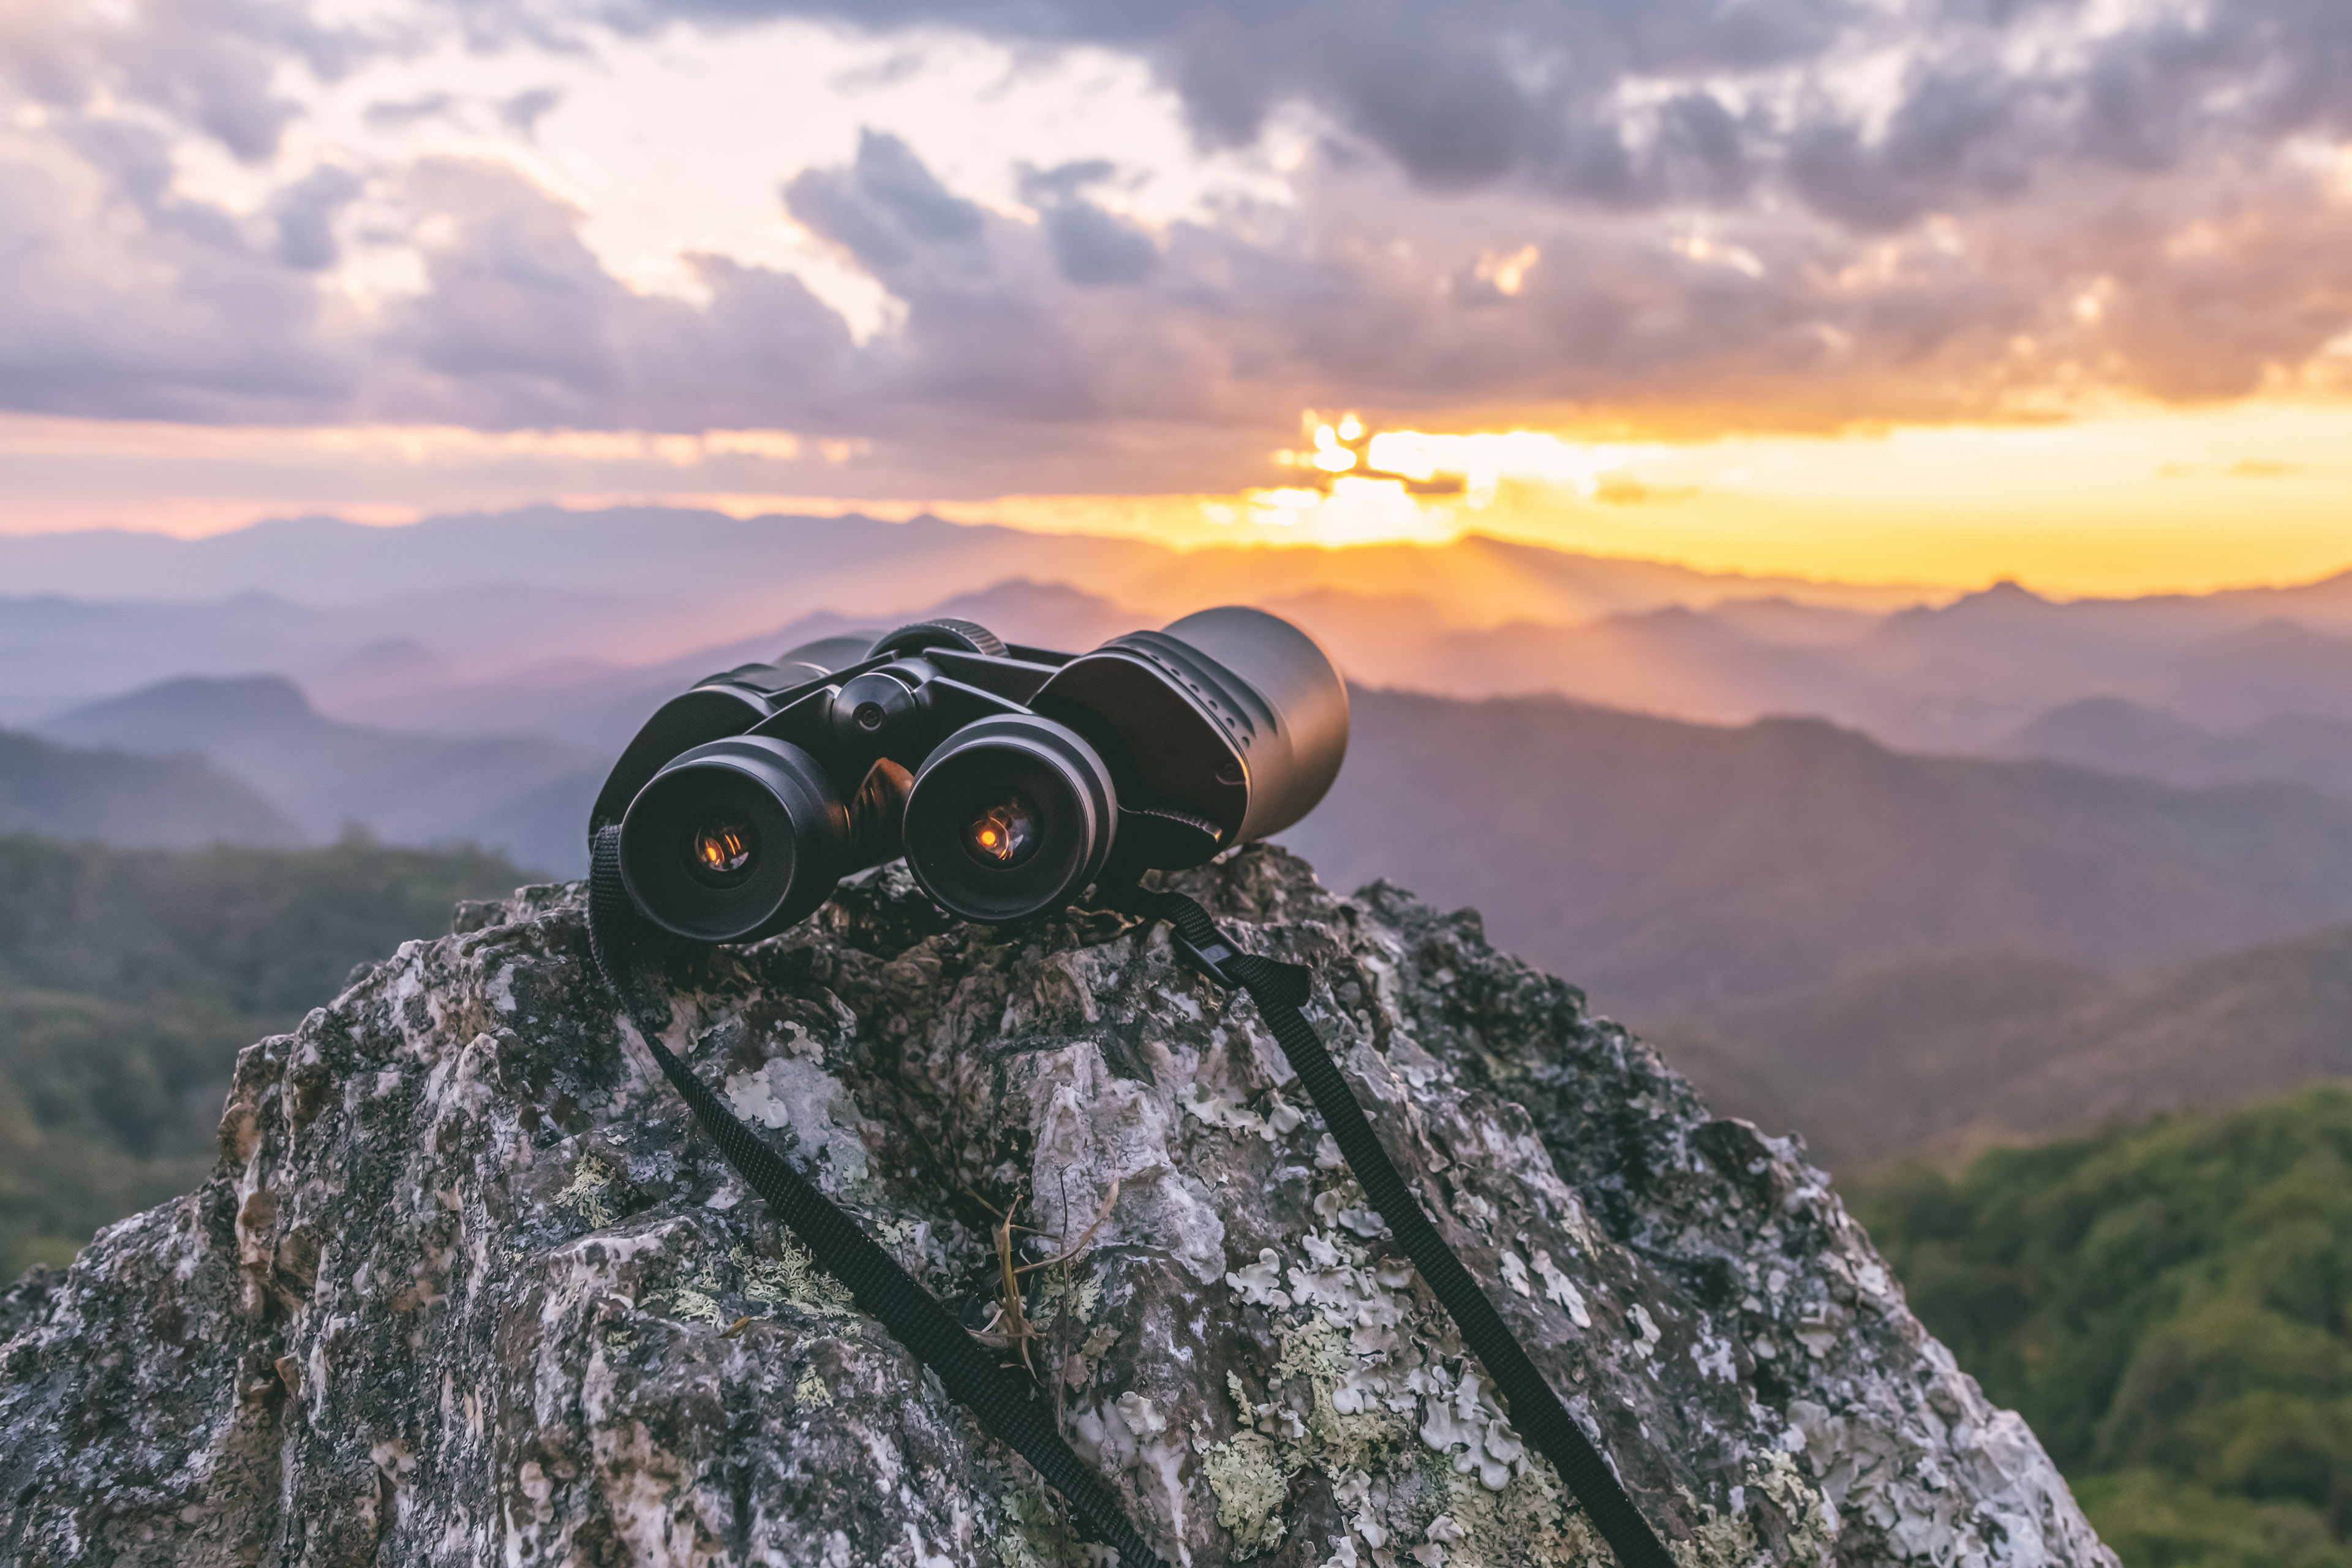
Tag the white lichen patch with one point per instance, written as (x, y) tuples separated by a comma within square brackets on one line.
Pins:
[(811, 1391), (793, 1277), (1247, 1475), (1731, 1539), (592, 1179), (1221, 1108), (1560, 1290), (1469, 1428), (1345, 1205), (1259, 1284), (1097, 1133)]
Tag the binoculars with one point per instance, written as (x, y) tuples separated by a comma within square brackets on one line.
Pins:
[(1011, 778)]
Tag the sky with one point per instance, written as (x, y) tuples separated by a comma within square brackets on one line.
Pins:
[(1929, 290)]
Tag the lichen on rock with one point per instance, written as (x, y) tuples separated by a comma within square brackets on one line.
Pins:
[(467, 1285)]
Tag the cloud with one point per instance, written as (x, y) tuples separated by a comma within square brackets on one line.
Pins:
[(400, 115), (522, 112), (125, 298), (1092, 249), (213, 65), (1680, 215)]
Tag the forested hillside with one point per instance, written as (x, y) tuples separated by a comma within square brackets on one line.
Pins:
[(2171, 1306), (1954, 1054), (128, 979)]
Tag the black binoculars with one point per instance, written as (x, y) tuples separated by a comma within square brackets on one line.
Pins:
[(1011, 778)]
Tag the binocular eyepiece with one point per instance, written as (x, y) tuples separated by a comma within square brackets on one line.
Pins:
[(1010, 778)]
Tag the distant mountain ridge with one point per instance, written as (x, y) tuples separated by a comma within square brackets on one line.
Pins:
[(2126, 737), (137, 802), (404, 788), (1672, 867), (706, 559), (1952, 1054), (496, 622)]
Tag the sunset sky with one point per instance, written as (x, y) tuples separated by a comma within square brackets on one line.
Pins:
[(1929, 290)]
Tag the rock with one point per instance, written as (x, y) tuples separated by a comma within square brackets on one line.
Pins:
[(468, 1287)]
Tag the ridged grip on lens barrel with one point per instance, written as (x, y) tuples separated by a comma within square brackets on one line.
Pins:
[(1292, 698), (800, 839), (1060, 774)]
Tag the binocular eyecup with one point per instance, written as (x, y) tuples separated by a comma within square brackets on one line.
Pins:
[(735, 839), (1010, 817)]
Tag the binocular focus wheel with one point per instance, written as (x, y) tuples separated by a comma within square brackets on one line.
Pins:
[(947, 631)]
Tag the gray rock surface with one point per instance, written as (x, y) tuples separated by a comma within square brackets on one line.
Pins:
[(467, 1286)]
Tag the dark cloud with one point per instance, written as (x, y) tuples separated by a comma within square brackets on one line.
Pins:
[(1557, 97), (398, 116), (306, 213), (1066, 182), (1457, 92), (1092, 246), (1092, 249), (523, 112), (884, 208)]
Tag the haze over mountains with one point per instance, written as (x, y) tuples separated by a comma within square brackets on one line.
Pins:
[(440, 624), (140, 803), (1700, 795)]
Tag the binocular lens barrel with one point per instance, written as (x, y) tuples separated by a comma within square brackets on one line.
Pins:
[(1012, 815), (1292, 700), (734, 839)]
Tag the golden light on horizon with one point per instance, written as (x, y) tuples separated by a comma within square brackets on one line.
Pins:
[(2132, 499)]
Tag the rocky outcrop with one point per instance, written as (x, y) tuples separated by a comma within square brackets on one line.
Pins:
[(470, 1287)]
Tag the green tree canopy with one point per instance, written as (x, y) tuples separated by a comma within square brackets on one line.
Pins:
[(2168, 1305), (129, 981)]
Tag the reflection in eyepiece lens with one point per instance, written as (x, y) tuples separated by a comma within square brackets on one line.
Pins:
[(720, 847), (1002, 830)]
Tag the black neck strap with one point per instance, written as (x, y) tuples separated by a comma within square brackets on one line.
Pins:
[(906, 1310), (969, 1372), (1280, 991)]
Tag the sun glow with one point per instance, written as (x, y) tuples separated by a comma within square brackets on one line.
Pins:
[(2134, 501)]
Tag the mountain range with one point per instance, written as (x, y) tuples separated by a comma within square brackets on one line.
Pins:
[(404, 788), (1675, 866), (1899, 869), (531, 620)]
